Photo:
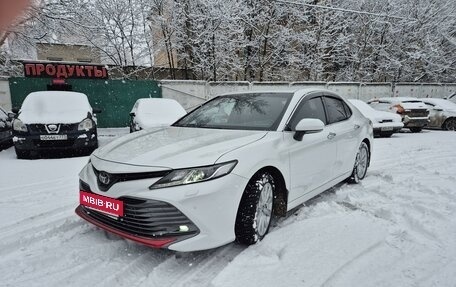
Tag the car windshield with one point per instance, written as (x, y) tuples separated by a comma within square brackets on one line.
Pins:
[(412, 101), (259, 111)]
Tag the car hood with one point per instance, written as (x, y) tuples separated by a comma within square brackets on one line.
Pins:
[(175, 147)]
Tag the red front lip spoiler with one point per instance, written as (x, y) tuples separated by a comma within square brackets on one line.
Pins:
[(155, 243)]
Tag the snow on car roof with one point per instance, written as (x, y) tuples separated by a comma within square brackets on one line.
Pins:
[(49, 101), (54, 107), (398, 99), (364, 108)]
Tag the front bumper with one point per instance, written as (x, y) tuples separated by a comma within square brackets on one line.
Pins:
[(389, 127), (75, 141), (418, 122), (211, 206)]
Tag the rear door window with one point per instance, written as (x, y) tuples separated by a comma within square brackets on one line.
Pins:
[(336, 110)]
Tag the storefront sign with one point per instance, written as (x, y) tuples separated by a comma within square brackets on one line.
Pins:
[(64, 71)]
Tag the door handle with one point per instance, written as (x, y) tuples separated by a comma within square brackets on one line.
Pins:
[(357, 127), (331, 136)]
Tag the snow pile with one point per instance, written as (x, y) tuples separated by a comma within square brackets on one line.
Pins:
[(396, 228)]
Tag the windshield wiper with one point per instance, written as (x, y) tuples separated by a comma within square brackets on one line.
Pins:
[(189, 125)]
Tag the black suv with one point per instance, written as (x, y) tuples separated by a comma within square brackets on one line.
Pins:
[(55, 121), (6, 134)]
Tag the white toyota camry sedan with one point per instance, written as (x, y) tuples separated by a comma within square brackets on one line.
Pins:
[(222, 172)]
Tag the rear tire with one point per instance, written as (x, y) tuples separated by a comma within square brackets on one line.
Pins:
[(450, 124), (361, 164), (416, 130), (255, 210)]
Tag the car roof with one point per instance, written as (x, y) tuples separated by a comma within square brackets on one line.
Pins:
[(299, 91), (45, 93), (395, 99)]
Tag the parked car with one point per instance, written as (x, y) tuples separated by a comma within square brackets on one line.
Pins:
[(451, 98), (222, 171), (154, 113), (54, 121), (384, 123), (413, 111), (442, 113), (6, 134)]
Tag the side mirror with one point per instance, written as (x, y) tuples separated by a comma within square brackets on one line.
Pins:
[(15, 110), (96, 110), (12, 115), (132, 114), (308, 126)]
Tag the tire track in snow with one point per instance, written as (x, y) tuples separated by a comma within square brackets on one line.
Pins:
[(354, 260), (192, 269)]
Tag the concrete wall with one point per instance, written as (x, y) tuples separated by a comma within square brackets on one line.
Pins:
[(346, 90), (368, 91), (193, 93), (5, 95), (216, 88), (189, 94)]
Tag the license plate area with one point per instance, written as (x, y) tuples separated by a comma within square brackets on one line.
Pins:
[(387, 129), (110, 206), (53, 137)]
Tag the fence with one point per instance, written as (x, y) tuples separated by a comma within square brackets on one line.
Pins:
[(114, 97), (193, 93)]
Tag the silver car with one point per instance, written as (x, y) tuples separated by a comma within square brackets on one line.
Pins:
[(442, 113), (414, 113)]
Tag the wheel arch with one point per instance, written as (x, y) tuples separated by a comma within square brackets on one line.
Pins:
[(446, 120), (368, 143)]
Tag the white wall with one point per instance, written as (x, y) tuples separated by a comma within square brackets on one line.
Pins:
[(193, 93), (189, 94), (5, 96)]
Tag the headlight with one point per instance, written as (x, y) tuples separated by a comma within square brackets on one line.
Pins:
[(86, 125), (196, 174), (19, 126)]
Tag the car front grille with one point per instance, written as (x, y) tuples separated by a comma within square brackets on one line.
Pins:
[(386, 121), (41, 129), (147, 218), (120, 177), (417, 113)]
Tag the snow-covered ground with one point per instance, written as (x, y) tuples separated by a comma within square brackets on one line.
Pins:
[(396, 228)]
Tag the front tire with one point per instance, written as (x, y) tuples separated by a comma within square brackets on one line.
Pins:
[(255, 209), (22, 154), (361, 164), (386, 134)]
